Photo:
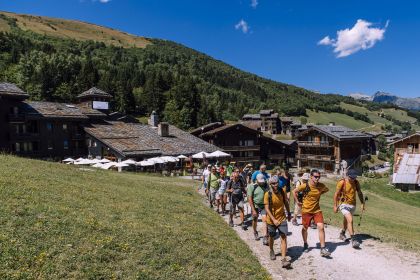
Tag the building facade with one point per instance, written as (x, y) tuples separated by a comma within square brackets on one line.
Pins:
[(325, 147), (266, 120)]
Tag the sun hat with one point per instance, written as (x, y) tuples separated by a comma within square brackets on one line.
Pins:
[(305, 176), (352, 174), (274, 179)]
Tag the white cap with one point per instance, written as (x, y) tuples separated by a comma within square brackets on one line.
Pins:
[(305, 176), (260, 178)]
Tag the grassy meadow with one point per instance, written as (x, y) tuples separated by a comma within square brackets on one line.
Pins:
[(390, 215), (62, 222)]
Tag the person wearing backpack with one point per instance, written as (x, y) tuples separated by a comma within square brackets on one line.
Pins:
[(255, 194), (345, 201), (311, 210), (235, 189), (275, 201), (303, 180), (213, 187)]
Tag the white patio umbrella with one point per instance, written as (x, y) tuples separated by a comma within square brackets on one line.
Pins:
[(220, 154), (83, 162), (145, 163), (129, 161), (108, 165), (121, 164), (79, 159), (182, 157), (168, 159), (201, 155), (156, 160), (104, 160), (95, 161), (68, 160), (98, 165)]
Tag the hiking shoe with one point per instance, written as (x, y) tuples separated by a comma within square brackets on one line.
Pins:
[(272, 255), (305, 247), (244, 227), (265, 241), (325, 252), (285, 263), (295, 223), (342, 235), (256, 237), (313, 226), (211, 205), (355, 244), (231, 223)]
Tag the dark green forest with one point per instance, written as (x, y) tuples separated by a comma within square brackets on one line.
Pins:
[(186, 88)]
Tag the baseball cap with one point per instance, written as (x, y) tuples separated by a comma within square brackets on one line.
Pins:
[(305, 176), (273, 179), (352, 174), (260, 178)]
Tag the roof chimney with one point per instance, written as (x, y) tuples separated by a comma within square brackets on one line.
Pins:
[(154, 119), (163, 129)]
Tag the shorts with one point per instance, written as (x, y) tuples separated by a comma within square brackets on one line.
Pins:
[(307, 218), (213, 194), (219, 196), (239, 204), (298, 210), (282, 228), (347, 209)]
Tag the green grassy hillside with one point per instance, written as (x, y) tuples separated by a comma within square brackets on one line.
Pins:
[(78, 30), (60, 222)]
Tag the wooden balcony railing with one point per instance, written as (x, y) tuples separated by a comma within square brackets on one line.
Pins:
[(241, 148), (315, 144), (315, 157)]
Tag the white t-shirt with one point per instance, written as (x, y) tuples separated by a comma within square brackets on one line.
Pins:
[(206, 174)]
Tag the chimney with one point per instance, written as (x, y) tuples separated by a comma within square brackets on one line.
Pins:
[(163, 129), (154, 119)]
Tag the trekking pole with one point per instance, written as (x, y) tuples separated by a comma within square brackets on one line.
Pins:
[(361, 214)]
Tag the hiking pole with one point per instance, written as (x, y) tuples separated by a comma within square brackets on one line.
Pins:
[(361, 214)]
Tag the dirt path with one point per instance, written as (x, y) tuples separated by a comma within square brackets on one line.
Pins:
[(375, 260)]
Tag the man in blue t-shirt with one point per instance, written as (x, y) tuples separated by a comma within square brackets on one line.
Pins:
[(260, 171)]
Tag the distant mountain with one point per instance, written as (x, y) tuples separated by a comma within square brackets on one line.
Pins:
[(361, 96), (407, 103)]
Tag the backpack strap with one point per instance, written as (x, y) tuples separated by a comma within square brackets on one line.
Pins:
[(306, 191), (270, 202)]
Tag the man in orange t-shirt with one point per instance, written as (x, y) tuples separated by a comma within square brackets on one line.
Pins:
[(345, 201), (311, 210)]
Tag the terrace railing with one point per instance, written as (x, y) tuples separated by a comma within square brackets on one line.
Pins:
[(315, 157), (241, 148), (315, 144)]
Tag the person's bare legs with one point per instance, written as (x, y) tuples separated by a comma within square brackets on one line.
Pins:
[(241, 214), (321, 233), (283, 245), (305, 235), (348, 221), (264, 225)]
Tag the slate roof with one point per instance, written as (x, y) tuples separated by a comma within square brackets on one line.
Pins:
[(52, 110), (8, 89), (405, 138), (205, 128), (252, 116), (135, 139), (94, 92), (339, 132), (266, 112), (286, 119), (254, 124)]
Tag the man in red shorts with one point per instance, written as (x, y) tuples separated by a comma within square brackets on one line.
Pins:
[(310, 209)]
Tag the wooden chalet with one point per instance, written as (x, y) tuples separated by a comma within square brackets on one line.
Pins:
[(265, 120), (325, 147), (248, 145)]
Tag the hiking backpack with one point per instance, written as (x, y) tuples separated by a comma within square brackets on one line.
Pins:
[(304, 193)]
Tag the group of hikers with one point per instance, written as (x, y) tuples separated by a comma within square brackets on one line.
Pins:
[(268, 196)]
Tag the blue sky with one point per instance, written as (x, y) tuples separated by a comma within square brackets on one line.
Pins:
[(286, 41)]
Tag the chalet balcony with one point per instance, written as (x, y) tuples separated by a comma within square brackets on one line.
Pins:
[(246, 159), (16, 118), (315, 157), (25, 135), (407, 150), (325, 144), (240, 148), (276, 156)]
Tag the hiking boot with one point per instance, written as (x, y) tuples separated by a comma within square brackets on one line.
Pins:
[(355, 244), (325, 252), (285, 263), (305, 247), (211, 205), (265, 241), (231, 223), (256, 237), (313, 226), (294, 222), (244, 227), (342, 235), (272, 255)]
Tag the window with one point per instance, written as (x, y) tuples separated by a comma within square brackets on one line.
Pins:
[(50, 145), (246, 143), (64, 126), (17, 147), (66, 144), (49, 127)]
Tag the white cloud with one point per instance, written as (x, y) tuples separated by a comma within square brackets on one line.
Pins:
[(254, 3), (361, 36), (242, 25)]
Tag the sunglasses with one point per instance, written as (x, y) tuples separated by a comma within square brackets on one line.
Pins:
[(317, 177)]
